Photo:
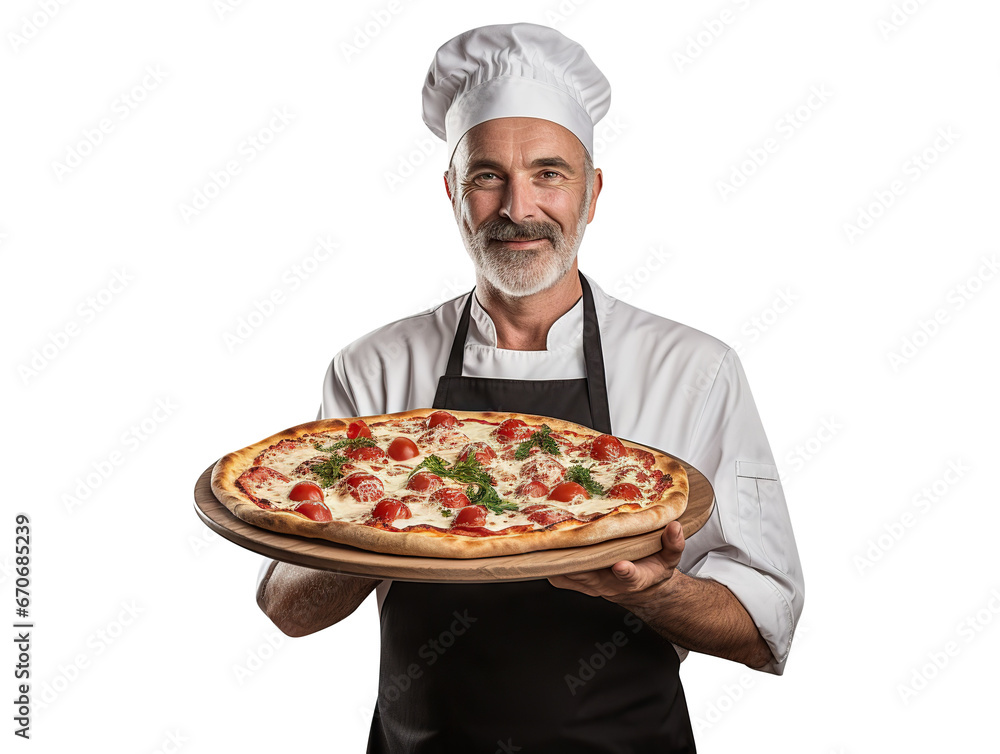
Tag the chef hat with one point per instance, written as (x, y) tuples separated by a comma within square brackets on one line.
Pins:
[(513, 70)]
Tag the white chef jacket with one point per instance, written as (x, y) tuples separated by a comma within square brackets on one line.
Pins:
[(670, 386)]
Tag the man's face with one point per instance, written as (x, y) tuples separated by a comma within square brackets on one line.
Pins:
[(522, 201)]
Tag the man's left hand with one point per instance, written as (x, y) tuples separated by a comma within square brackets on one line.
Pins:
[(626, 577)]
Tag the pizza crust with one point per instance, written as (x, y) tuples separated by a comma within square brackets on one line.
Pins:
[(624, 521)]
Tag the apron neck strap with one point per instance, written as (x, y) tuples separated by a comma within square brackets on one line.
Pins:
[(458, 345), (593, 355)]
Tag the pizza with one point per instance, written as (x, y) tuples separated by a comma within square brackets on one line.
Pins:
[(451, 484)]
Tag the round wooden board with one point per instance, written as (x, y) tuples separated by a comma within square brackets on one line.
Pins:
[(330, 556)]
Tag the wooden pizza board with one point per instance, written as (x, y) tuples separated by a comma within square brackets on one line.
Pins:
[(529, 566)]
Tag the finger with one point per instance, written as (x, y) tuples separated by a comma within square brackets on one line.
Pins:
[(565, 582), (634, 577), (624, 570)]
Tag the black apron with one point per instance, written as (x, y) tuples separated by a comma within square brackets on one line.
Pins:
[(524, 666)]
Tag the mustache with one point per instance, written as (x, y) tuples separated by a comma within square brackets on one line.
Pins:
[(505, 230)]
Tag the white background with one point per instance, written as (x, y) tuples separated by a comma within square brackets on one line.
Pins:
[(897, 579)]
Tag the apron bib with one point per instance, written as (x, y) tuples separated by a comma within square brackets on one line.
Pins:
[(524, 666)]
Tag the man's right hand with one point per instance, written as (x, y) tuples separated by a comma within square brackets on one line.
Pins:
[(301, 601)]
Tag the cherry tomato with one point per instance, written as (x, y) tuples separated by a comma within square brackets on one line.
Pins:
[(306, 491), (314, 511), (483, 452), (369, 454), (358, 429), (625, 491), (425, 481), (441, 417), (389, 510), (534, 488), (607, 448), (514, 430), (564, 492), (450, 498), (365, 488), (403, 448), (473, 515)]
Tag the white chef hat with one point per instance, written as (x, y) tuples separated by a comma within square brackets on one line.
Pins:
[(513, 70)]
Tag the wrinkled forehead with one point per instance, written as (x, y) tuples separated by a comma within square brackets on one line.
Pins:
[(519, 142)]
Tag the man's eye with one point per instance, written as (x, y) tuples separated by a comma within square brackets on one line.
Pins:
[(550, 174), (486, 176)]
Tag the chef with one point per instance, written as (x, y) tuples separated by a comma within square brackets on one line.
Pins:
[(588, 662)]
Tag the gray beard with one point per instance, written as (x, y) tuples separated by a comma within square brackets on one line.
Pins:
[(522, 272)]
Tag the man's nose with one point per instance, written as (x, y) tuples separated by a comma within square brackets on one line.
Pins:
[(519, 200)]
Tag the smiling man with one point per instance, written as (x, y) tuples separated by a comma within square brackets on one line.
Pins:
[(588, 662)]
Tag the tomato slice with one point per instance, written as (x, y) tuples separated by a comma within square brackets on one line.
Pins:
[(607, 448), (314, 511), (441, 417), (534, 488), (546, 515), (483, 453), (625, 491), (450, 498), (304, 491), (473, 515), (545, 469), (365, 488), (425, 481), (388, 510), (403, 448), (358, 429), (370, 454), (564, 492), (514, 430), (253, 479)]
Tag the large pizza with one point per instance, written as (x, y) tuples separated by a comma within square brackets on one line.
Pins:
[(451, 484)]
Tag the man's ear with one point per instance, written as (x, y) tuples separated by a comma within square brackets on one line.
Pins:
[(447, 188), (598, 183)]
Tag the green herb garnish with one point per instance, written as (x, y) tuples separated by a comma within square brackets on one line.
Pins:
[(471, 472), (330, 470), (351, 444), (581, 476), (500, 506), (540, 438)]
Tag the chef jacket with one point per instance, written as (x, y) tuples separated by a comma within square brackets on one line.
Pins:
[(670, 386)]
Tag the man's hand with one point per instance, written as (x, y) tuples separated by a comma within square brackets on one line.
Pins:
[(695, 613), (626, 577)]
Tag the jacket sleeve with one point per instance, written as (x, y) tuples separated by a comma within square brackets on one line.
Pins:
[(338, 400), (748, 544)]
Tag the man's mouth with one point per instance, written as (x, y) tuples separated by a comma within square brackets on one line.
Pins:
[(520, 243)]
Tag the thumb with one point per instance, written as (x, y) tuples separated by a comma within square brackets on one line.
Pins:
[(672, 542)]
